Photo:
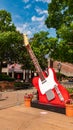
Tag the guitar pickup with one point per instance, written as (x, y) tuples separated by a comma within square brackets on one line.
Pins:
[(44, 81)]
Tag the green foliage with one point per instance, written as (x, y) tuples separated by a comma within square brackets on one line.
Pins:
[(4, 77), (60, 11), (6, 22), (21, 85), (70, 90), (39, 44), (60, 17), (11, 41), (10, 46)]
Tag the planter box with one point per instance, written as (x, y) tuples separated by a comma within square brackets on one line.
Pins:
[(27, 102), (69, 109)]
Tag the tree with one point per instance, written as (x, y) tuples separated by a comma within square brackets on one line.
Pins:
[(11, 41), (41, 45), (10, 46), (6, 22), (60, 12), (61, 18)]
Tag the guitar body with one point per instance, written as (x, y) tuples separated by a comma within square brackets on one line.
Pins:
[(43, 98)]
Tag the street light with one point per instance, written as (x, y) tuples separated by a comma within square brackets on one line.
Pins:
[(49, 59), (12, 71), (59, 69)]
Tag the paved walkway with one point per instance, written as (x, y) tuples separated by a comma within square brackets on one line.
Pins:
[(28, 118), (12, 98)]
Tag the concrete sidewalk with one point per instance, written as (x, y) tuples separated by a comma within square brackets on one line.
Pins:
[(28, 118), (12, 98)]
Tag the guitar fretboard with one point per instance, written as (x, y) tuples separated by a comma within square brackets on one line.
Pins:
[(35, 62)]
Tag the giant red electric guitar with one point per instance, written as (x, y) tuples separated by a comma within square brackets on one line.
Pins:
[(50, 91)]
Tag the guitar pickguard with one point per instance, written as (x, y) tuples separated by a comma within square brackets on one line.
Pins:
[(48, 84)]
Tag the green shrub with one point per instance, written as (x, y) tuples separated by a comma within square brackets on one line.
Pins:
[(70, 90), (21, 85), (4, 77)]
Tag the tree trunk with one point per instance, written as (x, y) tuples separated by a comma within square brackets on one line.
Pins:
[(0, 67)]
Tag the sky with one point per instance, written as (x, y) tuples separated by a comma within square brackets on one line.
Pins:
[(28, 15)]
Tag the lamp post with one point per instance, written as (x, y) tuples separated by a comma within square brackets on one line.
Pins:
[(49, 59), (12, 71), (59, 69)]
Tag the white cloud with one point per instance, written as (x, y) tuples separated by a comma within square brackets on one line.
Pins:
[(44, 1), (24, 28), (34, 18), (25, 1), (30, 28), (40, 11), (27, 6), (17, 16)]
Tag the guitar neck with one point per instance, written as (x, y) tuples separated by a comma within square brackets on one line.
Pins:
[(35, 62)]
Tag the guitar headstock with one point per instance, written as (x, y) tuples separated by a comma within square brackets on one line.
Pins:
[(26, 42)]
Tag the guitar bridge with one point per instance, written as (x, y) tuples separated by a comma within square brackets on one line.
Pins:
[(59, 93)]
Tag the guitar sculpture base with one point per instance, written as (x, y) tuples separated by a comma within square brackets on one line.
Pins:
[(49, 107)]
